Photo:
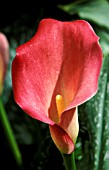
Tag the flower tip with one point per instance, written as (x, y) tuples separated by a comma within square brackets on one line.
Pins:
[(61, 139)]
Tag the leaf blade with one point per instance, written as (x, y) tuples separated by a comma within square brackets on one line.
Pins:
[(98, 117)]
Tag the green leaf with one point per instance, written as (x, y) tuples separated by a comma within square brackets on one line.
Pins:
[(96, 11), (98, 121)]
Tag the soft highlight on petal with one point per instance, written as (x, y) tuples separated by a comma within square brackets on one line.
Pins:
[(61, 139), (25, 93)]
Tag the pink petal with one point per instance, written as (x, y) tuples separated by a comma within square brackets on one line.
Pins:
[(4, 48), (62, 58), (4, 58), (27, 92), (69, 122), (61, 139), (82, 61), (35, 71)]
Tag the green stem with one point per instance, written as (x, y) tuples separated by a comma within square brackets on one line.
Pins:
[(10, 135), (69, 161)]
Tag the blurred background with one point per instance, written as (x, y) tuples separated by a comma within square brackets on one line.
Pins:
[(19, 21)]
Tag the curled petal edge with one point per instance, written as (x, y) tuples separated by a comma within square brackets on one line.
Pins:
[(61, 139)]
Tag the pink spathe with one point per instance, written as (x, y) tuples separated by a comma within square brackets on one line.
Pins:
[(62, 58)]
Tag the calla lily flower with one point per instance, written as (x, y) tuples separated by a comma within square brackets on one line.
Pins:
[(56, 71), (4, 58)]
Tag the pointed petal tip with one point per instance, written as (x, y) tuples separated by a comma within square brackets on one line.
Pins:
[(61, 139), (35, 113)]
